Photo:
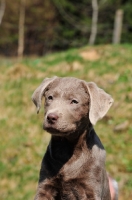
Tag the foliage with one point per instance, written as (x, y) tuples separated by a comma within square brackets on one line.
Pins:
[(52, 25), (23, 142)]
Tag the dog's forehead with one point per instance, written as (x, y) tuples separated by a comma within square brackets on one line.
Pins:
[(66, 84)]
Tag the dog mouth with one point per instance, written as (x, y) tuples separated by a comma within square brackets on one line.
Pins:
[(59, 130)]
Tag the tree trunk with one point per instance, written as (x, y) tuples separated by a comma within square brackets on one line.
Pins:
[(94, 22), (21, 29), (117, 26), (2, 10)]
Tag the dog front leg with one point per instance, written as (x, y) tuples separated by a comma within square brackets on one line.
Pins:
[(46, 191)]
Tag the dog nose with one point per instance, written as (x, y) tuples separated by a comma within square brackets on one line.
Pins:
[(52, 118)]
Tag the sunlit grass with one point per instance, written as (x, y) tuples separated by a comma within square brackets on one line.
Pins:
[(22, 140)]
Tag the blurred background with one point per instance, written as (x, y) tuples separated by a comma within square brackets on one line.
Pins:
[(43, 27), (88, 39)]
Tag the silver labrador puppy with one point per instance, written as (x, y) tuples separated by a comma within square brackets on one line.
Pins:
[(73, 167)]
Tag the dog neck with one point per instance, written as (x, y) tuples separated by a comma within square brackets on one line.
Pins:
[(75, 136), (61, 149)]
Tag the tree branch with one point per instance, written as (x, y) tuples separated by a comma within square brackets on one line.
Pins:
[(94, 22), (2, 10)]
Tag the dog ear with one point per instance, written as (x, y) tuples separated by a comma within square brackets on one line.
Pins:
[(39, 92), (100, 102)]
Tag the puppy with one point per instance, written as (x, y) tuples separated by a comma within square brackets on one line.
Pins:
[(73, 167)]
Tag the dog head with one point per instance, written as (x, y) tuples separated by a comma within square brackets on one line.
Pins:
[(70, 103)]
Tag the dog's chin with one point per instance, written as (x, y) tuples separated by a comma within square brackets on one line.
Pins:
[(58, 131)]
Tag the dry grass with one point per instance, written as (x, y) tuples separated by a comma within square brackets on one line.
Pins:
[(23, 141)]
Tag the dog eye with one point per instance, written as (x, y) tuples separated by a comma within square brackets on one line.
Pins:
[(50, 97), (74, 101)]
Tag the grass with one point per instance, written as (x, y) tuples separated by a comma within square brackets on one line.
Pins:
[(22, 140)]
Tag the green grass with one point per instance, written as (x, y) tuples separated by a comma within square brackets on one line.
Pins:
[(22, 140)]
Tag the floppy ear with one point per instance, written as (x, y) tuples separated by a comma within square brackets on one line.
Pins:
[(39, 92), (100, 102)]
